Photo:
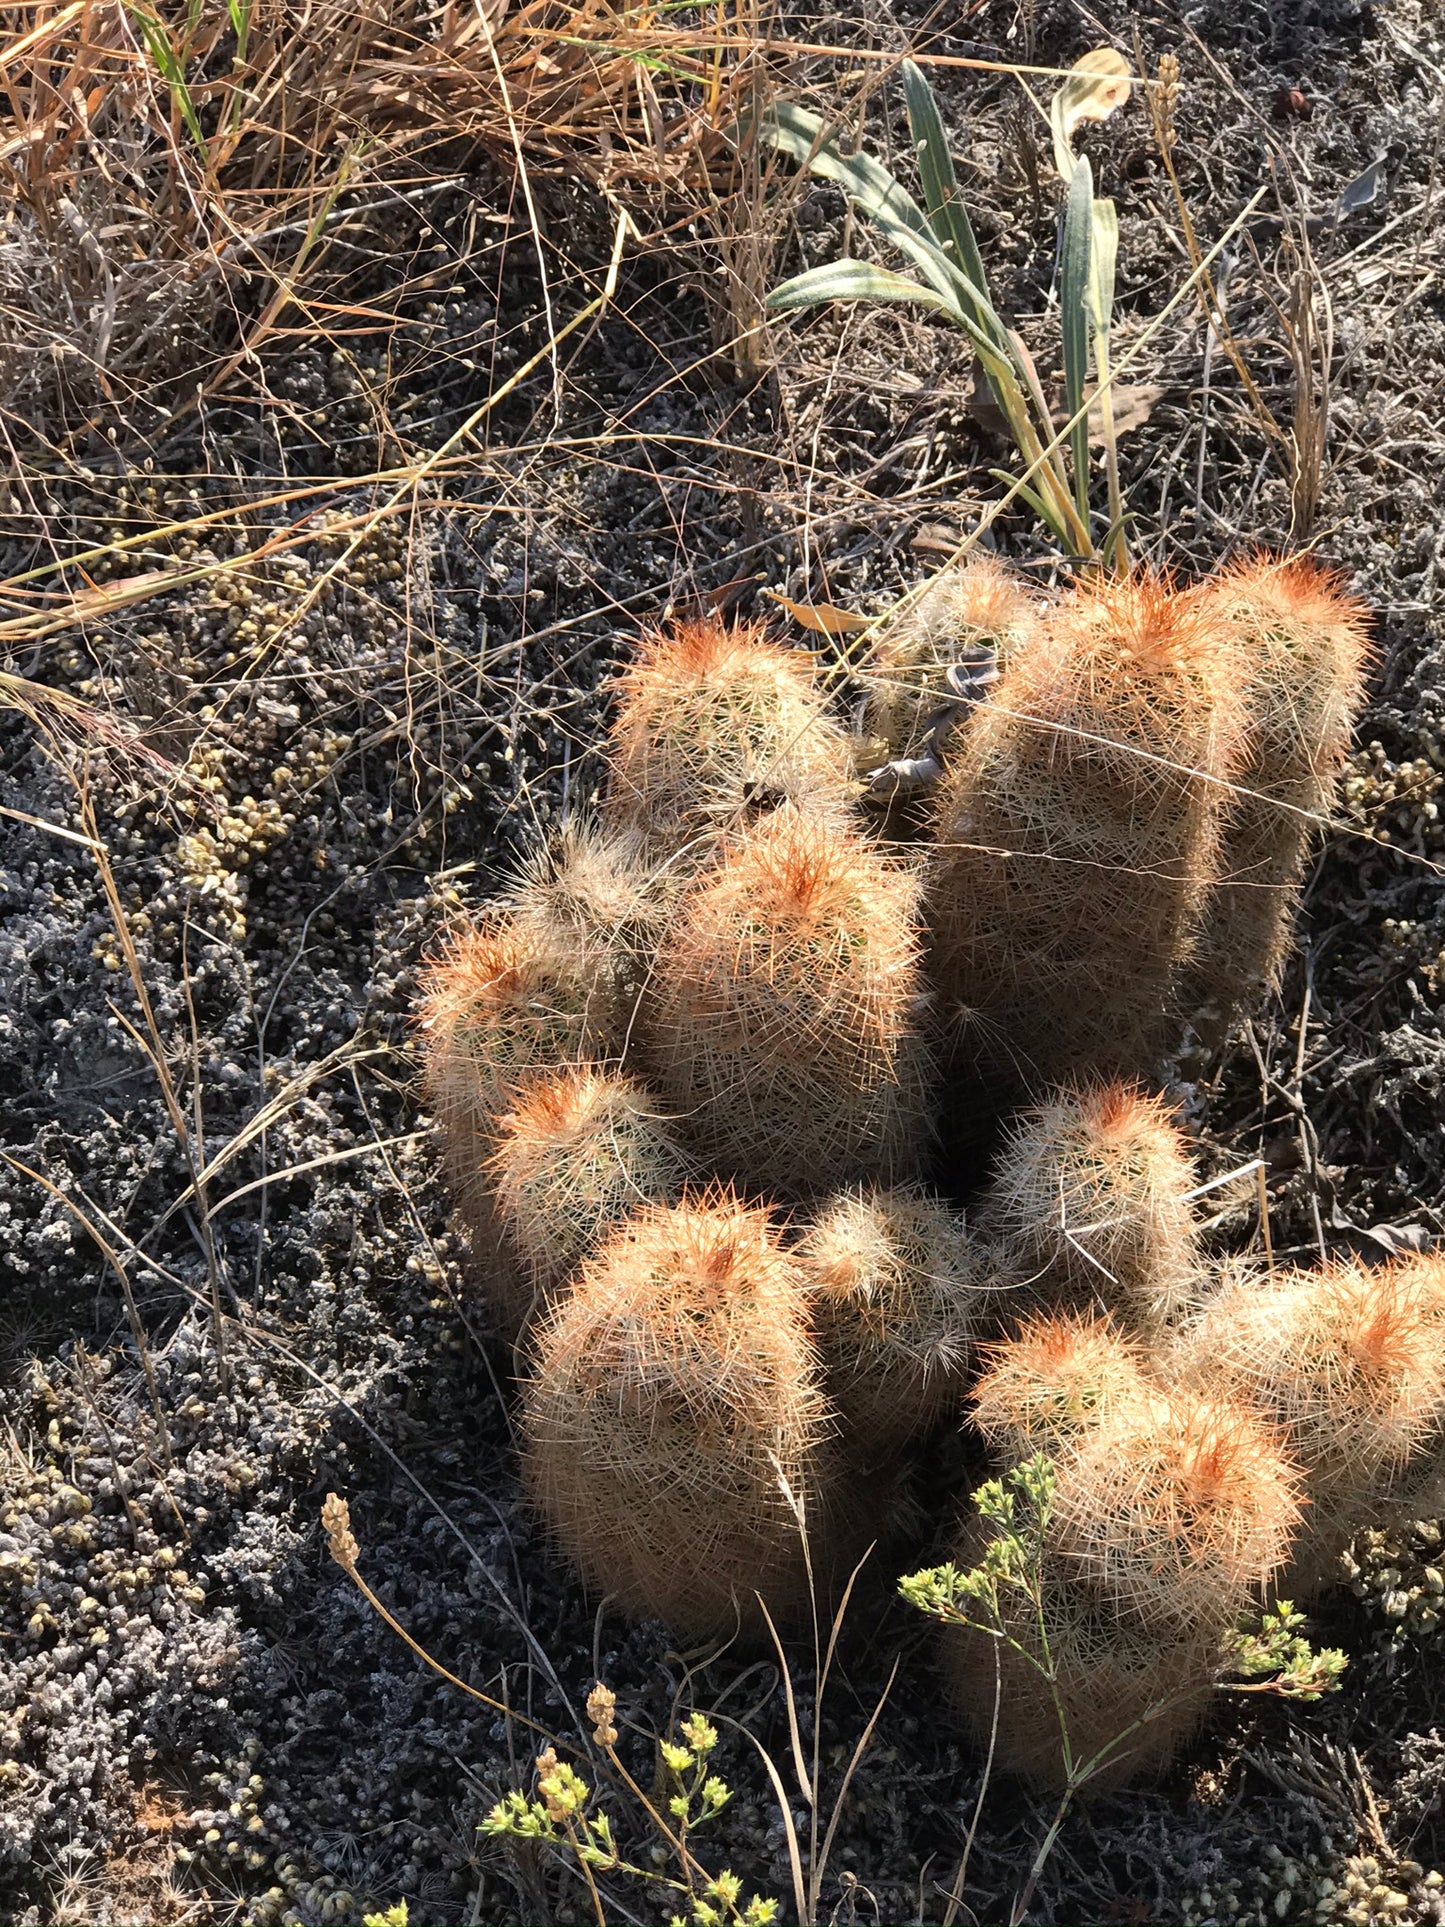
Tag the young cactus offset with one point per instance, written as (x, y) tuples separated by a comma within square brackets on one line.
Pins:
[(510, 1001), (577, 1154), (1351, 1361), (782, 1024), (1091, 1203), (714, 725), (978, 609), (1056, 1377), (598, 888), (1077, 832), (674, 1404), (899, 1302), (1299, 647)]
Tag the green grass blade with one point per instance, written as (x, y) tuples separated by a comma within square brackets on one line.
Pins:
[(851, 281), (1074, 290)]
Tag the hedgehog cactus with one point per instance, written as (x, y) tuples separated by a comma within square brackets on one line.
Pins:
[(715, 725), (597, 890), (509, 1002), (675, 1403), (783, 1018), (979, 606), (1299, 649), (579, 1152), (1091, 1202), (1058, 1375), (731, 983), (1352, 1362), (1169, 1515), (898, 1303), (1077, 834)]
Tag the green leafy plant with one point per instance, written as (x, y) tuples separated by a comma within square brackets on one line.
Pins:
[(938, 239), (1005, 1597), (565, 1815)]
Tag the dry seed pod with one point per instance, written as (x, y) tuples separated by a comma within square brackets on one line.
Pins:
[(509, 1000), (1351, 1361), (1077, 831), (979, 605), (782, 1019), (899, 1302), (1299, 646), (674, 1397), (1090, 1202), (715, 725), (576, 1155), (1056, 1377)]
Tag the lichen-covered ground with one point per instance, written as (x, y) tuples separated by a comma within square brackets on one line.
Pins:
[(200, 1716)]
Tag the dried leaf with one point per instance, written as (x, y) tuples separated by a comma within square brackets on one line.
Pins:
[(821, 617), (1097, 84), (1134, 402)]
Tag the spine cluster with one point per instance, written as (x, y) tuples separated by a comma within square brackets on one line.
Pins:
[(784, 1145)]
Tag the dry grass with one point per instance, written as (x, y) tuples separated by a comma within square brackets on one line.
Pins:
[(175, 176)]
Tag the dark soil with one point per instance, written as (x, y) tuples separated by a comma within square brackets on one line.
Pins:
[(200, 1715)]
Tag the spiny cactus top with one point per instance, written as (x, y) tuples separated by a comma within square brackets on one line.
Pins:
[(1059, 1374), (899, 1300), (784, 1016), (714, 724), (1091, 1203), (674, 1407)]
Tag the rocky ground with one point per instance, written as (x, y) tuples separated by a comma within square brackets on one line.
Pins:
[(227, 1284)]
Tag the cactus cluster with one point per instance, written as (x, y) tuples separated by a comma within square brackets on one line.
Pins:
[(808, 1101)]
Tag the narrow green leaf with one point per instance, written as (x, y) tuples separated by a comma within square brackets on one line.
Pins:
[(1103, 259), (946, 212), (851, 281), (1074, 289)]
